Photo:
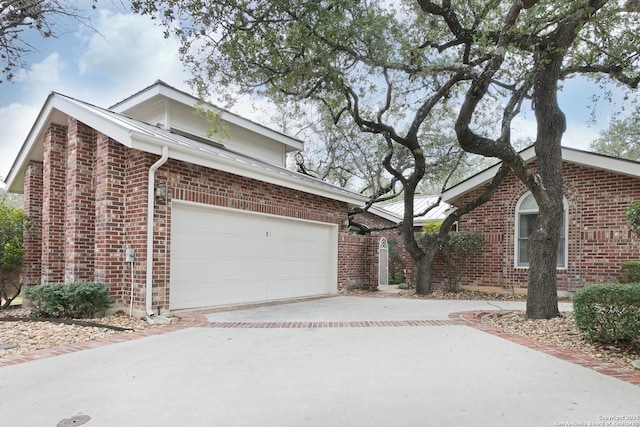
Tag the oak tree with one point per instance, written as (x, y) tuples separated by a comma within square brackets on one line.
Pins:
[(409, 70), (18, 18)]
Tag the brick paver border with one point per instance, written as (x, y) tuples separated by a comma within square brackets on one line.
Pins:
[(625, 374), (197, 318), (347, 324)]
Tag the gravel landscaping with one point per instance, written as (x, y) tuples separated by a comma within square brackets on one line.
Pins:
[(36, 335)]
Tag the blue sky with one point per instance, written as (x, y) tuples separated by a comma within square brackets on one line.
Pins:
[(126, 53)]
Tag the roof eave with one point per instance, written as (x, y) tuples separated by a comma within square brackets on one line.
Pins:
[(219, 162), (160, 88), (572, 155), (70, 108)]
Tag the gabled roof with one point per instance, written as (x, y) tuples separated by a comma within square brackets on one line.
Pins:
[(395, 211), (144, 137), (571, 155), (161, 90)]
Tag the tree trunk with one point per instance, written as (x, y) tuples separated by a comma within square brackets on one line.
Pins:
[(542, 295), (423, 272)]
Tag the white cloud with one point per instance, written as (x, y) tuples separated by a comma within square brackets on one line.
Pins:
[(46, 72), (578, 135), (15, 122), (131, 51)]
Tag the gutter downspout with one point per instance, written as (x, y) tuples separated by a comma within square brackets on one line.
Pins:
[(150, 224)]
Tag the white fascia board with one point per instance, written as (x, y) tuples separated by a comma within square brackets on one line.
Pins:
[(243, 168), (469, 184), (14, 178), (160, 89), (94, 118), (483, 177), (585, 158), (58, 103), (599, 161), (385, 214)]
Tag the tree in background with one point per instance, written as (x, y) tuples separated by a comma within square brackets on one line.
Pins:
[(13, 222), (408, 70), (18, 17), (621, 139), (354, 60)]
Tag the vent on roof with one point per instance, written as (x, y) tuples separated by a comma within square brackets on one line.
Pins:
[(195, 137)]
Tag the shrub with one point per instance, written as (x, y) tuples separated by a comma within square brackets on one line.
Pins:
[(632, 215), (432, 225), (13, 223), (630, 272), (459, 246), (71, 300), (608, 312)]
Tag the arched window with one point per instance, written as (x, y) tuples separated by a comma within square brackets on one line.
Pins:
[(526, 215)]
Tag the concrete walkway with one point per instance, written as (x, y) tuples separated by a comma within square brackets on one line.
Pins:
[(425, 370)]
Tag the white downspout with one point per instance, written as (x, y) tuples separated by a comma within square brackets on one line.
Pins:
[(150, 224)]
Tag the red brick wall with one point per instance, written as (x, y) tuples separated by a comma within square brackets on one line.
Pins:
[(53, 203), (79, 246), (104, 185), (599, 239), (358, 261), (397, 254), (32, 241), (110, 218)]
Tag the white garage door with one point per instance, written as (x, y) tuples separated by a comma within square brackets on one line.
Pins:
[(225, 256)]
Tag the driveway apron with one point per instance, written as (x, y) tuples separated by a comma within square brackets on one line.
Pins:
[(341, 361)]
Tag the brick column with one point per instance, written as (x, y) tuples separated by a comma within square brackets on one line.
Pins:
[(138, 164), (110, 233), (32, 240), (53, 201), (80, 204)]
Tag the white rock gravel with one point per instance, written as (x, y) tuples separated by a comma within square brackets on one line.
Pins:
[(30, 335)]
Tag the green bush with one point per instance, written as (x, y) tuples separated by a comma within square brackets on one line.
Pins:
[(455, 251), (608, 312), (13, 223), (632, 215), (70, 300), (630, 272)]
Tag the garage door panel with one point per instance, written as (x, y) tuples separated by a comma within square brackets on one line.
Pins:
[(242, 292), (222, 256), (293, 288)]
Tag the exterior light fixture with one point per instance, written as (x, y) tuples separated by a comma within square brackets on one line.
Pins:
[(161, 192)]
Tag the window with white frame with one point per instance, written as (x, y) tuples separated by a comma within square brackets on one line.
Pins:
[(526, 216)]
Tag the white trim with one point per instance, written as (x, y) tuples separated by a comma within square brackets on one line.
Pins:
[(383, 246), (140, 136), (333, 227), (248, 168), (160, 88), (228, 209), (516, 234), (571, 155)]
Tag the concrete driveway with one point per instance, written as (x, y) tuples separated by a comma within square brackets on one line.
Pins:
[(318, 363)]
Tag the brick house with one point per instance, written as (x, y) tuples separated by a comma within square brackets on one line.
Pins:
[(142, 198), (595, 239)]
